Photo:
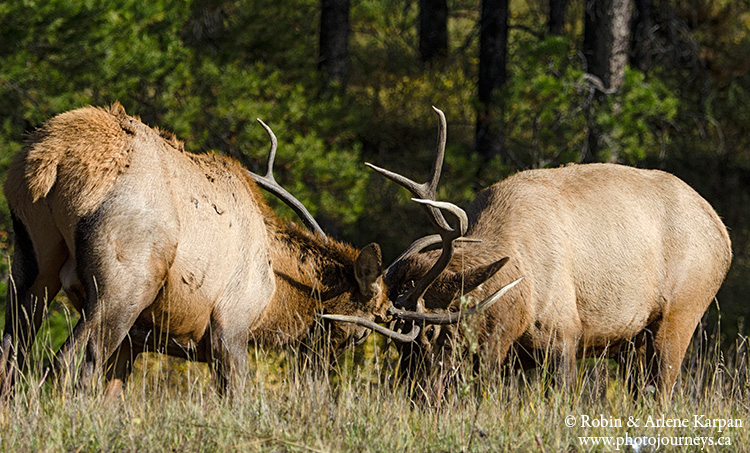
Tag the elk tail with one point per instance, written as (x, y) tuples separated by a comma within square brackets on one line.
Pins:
[(41, 174), (97, 139)]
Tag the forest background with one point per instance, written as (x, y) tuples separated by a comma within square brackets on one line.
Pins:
[(346, 83)]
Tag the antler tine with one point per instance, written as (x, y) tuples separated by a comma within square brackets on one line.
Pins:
[(426, 190), (437, 164), (271, 152), (418, 190), (269, 183), (463, 219), (448, 237), (421, 244)]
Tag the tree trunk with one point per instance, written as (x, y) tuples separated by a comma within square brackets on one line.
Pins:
[(433, 29), (333, 59), (206, 30), (605, 47), (642, 35), (556, 18), (606, 34), (493, 44)]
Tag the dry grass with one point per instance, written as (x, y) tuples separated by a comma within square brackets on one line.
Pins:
[(170, 405)]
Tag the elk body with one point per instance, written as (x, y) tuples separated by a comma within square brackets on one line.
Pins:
[(161, 249), (611, 255)]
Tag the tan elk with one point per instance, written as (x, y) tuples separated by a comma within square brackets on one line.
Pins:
[(161, 249), (611, 255)]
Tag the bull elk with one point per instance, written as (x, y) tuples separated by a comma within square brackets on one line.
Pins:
[(610, 255), (161, 249)]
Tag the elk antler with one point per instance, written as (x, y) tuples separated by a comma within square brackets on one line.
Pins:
[(392, 334), (269, 183), (425, 194), (447, 236), (423, 318), (421, 244)]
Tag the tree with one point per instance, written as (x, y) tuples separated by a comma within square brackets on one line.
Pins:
[(433, 29), (605, 41), (605, 47), (556, 18), (333, 59), (493, 45), (642, 37)]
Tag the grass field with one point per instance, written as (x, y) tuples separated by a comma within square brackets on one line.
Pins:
[(170, 405)]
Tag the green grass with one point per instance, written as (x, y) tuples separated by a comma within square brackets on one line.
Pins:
[(170, 405)]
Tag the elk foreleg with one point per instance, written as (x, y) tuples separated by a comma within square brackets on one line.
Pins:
[(228, 356), (119, 367), (564, 360)]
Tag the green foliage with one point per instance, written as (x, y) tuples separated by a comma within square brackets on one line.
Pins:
[(547, 100), (638, 119), (207, 71)]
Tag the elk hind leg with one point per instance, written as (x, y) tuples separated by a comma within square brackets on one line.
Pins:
[(122, 268), (670, 344), (99, 334), (34, 282), (636, 362)]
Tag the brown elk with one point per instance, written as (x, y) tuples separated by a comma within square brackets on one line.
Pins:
[(161, 249), (610, 255)]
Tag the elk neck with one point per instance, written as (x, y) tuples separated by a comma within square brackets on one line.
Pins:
[(310, 274)]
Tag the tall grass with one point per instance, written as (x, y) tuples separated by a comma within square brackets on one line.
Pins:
[(295, 404)]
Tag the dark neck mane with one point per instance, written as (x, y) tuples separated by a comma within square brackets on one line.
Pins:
[(308, 272)]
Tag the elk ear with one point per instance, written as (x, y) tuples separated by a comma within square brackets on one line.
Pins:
[(367, 269), (471, 278)]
